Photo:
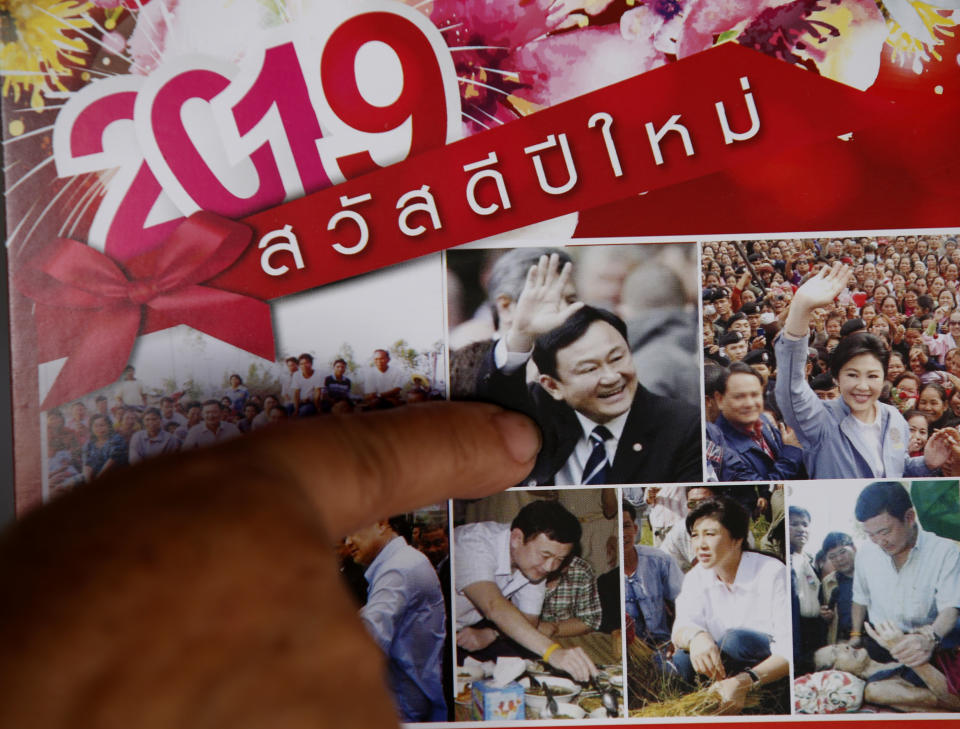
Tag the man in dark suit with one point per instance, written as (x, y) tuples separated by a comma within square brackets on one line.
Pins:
[(599, 424), (754, 448)]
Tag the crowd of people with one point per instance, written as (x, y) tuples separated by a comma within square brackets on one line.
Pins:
[(130, 422), (887, 611), (832, 358)]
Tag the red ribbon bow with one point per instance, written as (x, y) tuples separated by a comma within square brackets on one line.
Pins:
[(91, 309)]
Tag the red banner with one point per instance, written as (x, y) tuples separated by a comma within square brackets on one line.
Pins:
[(672, 125)]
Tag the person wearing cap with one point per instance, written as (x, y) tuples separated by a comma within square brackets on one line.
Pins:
[(762, 361), (734, 346), (754, 448), (752, 311), (739, 323), (825, 386), (721, 301)]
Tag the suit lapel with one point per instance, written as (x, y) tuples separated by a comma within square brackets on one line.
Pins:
[(561, 431), (635, 442)]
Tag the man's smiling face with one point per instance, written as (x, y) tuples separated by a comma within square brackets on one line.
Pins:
[(595, 374), (538, 556)]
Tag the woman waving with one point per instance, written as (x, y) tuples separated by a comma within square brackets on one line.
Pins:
[(854, 436)]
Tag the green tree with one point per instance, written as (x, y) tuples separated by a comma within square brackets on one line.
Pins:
[(261, 380), (405, 353), (192, 390)]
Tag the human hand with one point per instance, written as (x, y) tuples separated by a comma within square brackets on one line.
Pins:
[(788, 435), (202, 588), (826, 613), (822, 289), (705, 656), (733, 693), (574, 661), (940, 447), (910, 649), (952, 466), (475, 639), (543, 304), (886, 633)]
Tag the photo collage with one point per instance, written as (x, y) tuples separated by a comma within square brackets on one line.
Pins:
[(746, 502)]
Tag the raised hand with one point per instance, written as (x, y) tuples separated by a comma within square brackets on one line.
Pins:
[(543, 305), (822, 289), (819, 290)]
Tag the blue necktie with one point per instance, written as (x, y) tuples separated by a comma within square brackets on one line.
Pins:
[(595, 472)]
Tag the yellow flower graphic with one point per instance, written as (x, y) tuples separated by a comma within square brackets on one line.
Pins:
[(35, 51), (915, 27)]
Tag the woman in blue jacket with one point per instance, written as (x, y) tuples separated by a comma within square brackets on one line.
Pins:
[(854, 436)]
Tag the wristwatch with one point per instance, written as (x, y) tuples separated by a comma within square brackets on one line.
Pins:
[(753, 676)]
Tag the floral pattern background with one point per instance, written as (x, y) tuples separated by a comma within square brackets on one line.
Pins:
[(512, 57)]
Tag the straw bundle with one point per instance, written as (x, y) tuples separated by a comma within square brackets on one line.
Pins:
[(645, 681), (702, 702)]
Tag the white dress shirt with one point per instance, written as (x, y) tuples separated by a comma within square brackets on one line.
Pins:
[(482, 554), (758, 599), (911, 597), (572, 471)]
